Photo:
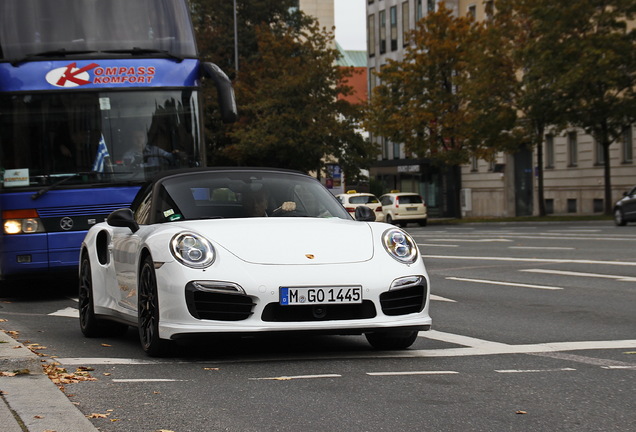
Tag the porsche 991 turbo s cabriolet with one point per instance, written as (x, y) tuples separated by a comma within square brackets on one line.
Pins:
[(249, 251)]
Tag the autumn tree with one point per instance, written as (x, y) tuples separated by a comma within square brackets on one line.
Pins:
[(601, 78), (290, 113), (286, 89), (446, 100)]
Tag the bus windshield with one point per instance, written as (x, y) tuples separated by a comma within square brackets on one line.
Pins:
[(96, 137), (31, 28)]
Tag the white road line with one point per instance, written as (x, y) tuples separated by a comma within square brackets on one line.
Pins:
[(412, 373), (490, 282), (287, 378), (438, 298), (534, 370), (67, 312), (619, 367), (541, 260), (460, 339), (571, 273), (143, 380), (72, 361), (540, 248), (471, 240), (436, 245)]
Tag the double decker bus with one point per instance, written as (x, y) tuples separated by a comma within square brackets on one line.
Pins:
[(95, 98)]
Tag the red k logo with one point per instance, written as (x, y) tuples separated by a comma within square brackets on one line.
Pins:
[(70, 76)]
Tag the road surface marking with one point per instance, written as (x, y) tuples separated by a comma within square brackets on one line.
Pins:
[(437, 245), (540, 248), (67, 312), (438, 298), (412, 373), (533, 370), (143, 380), (541, 260), (580, 274), (286, 378), (490, 282)]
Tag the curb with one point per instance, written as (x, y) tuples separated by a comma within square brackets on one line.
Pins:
[(31, 401)]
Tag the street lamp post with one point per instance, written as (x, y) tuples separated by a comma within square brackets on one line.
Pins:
[(236, 61)]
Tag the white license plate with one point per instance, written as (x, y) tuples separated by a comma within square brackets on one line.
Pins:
[(320, 295), (411, 208)]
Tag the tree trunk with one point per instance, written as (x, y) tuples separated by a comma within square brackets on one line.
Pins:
[(608, 178), (539, 146)]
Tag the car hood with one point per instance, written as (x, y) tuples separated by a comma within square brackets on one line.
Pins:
[(290, 241)]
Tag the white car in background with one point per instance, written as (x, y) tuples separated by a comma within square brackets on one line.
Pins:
[(249, 251), (404, 207), (353, 199)]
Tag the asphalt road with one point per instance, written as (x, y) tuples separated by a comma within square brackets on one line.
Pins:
[(533, 329)]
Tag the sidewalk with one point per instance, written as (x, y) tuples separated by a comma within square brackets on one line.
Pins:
[(31, 402)]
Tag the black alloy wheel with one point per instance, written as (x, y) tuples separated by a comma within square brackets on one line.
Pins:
[(619, 218)]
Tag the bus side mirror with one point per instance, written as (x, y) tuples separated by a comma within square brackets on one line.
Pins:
[(227, 102), (123, 218)]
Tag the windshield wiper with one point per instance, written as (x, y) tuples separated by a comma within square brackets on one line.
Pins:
[(62, 52), (54, 185), (135, 51)]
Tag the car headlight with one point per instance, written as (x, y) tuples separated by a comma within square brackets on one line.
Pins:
[(400, 245), (192, 250)]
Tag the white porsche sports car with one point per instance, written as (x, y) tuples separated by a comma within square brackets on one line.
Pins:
[(247, 251)]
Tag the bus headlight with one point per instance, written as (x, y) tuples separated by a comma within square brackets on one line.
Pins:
[(23, 226)]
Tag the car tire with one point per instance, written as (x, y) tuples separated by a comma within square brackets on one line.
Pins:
[(148, 312), (619, 218), (388, 219), (423, 222), (90, 325), (391, 340)]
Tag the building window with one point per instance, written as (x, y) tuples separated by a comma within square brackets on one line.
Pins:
[(385, 148), (406, 27), (573, 151), (382, 16), (571, 205), (600, 155), (549, 151), (598, 205), (628, 145), (474, 164), (430, 5), (549, 205), (419, 13), (472, 11), (396, 150), (489, 10), (373, 81), (394, 29), (371, 35)]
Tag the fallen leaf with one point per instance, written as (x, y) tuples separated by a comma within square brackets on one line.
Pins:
[(521, 412), (97, 415), (106, 345), (107, 374), (630, 352), (7, 374), (211, 369), (17, 347), (3, 320), (22, 372), (38, 417), (85, 368)]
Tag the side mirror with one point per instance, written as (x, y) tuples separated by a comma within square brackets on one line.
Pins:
[(227, 101), (123, 218), (364, 214)]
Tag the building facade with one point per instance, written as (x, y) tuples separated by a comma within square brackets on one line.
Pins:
[(573, 164)]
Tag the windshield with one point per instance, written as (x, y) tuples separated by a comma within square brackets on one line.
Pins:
[(107, 137), (29, 27), (238, 194)]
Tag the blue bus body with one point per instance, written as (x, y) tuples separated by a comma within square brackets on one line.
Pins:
[(95, 99)]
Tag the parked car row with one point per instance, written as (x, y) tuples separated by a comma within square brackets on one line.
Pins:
[(394, 208)]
